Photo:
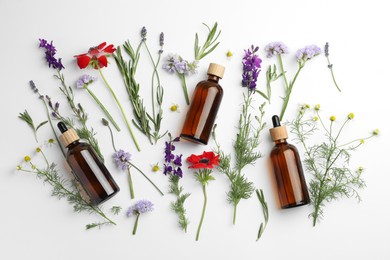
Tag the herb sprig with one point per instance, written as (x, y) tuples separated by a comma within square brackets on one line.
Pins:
[(25, 116), (210, 43), (328, 161), (63, 188)]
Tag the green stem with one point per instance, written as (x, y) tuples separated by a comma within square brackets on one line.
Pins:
[(154, 185), (120, 106), (103, 108), (184, 85), (282, 70), (234, 213), (203, 211), (288, 92), (130, 184), (331, 72), (136, 224)]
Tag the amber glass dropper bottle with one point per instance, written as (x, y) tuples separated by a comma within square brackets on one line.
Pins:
[(87, 167), (290, 180), (204, 107)]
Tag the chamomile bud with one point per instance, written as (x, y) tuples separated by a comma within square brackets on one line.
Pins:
[(332, 118), (351, 116)]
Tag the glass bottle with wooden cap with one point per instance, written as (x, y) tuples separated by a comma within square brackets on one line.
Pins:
[(204, 107), (87, 167), (290, 179)]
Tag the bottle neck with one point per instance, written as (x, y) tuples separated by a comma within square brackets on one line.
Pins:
[(281, 141), (72, 144), (213, 78)]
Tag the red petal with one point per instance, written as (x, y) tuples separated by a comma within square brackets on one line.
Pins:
[(109, 49), (101, 46), (83, 61), (193, 159), (102, 61)]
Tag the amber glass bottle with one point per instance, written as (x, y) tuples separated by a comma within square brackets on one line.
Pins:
[(290, 180), (87, 167), (204, 107)]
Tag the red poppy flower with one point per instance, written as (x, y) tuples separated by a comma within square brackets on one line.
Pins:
[(96, 56), (207, 160)]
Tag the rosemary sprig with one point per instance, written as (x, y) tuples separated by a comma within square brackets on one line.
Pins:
[(25, 116), (63, 188), (128, 70), (328, 161), (209, 45)]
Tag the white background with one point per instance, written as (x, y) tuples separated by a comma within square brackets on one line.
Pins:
[(35, 225)]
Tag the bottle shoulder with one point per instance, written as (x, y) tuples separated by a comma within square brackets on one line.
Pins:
[(284, 146), (206, 84)]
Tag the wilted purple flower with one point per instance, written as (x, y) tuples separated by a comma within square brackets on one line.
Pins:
[(50, 52), (177, 64), (308, 52), (85, 80), (141, 206), (274, 48), (122, 159), (251, 68)]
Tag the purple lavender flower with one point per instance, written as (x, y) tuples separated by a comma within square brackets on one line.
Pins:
[(274, 48), (141, 206), (85, 80), (308, 52), (122, 159), (251, 68), (49, 54)]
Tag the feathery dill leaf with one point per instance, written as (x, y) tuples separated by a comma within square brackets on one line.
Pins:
[(327, 161), (178, 205), (67, 189)]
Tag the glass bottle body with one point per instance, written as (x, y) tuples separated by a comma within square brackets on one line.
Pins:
[(203, 110), (91, 172), (290, 180)]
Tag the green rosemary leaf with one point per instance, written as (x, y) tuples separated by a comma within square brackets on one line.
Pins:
[(209, 45), (25, 116)]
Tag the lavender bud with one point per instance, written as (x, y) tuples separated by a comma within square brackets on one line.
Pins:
[(105, 122), (143, 33), (326, 49), (161, 39)]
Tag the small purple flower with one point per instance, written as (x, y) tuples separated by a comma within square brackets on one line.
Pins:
[(122, 159), (308, 52), (141, 206), (275, 48), (172, 162), (85, 80), (49, 54), (251, 68), (177, 160), (177, 64)]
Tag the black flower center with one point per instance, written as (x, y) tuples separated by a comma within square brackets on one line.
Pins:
[(204, 160)]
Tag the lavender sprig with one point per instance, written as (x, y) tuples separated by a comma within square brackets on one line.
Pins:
[(330, 66)]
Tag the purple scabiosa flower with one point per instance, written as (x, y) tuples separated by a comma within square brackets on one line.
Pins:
[(140, 207), (308, 52), (251, 68), (49, 54), (275, 48), (85, 80), (122, 159)]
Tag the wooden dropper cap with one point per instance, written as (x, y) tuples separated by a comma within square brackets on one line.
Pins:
[(216, 70), (278, 132), (68, 135)]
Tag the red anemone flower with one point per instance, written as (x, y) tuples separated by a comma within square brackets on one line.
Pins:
[(207, 160), (96, 56)]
